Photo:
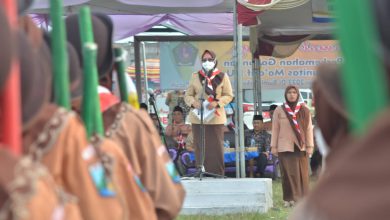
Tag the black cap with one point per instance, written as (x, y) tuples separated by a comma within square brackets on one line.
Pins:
[(258, 117), (272, 107), (178, 109)]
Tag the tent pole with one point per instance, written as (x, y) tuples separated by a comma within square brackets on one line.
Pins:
[(146, 86), (257, 78), (254, 86), (236, 134), (240, 101), (137, 60)]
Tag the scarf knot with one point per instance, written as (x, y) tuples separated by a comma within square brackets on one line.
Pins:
[(294, 115)]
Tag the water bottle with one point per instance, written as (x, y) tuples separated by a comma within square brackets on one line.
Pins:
[(226, 144), (253, 142), (268, 149)]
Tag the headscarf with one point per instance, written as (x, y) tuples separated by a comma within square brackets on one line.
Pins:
[(292, 104), (302, 116), (215, 77)]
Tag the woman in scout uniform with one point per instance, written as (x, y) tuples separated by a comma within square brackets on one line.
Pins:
[(218, 92)]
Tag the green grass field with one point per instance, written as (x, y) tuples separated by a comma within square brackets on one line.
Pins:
[(278, 212)]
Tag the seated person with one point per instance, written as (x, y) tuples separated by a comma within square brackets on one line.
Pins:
[(155, 119), (271, 110), (178, 130), (143, 106), (268, 125), (260, 139)]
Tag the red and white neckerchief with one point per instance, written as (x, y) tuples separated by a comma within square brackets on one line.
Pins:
[(294, 115), (106, 98), (210, 85), (210, 79), (180, 141)]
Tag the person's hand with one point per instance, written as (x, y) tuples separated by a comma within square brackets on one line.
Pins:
[(309, 151), (196, 105), (274, 151), (212, 105), (266, 154)]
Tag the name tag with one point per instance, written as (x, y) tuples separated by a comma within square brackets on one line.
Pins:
[(102, 184), (171, 169)]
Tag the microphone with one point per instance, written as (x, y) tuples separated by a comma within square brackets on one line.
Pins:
[(151, 93)]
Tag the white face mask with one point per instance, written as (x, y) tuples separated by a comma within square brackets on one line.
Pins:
[(208, 65)]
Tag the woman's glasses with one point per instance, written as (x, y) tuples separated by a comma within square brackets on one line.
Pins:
[(208, 59)]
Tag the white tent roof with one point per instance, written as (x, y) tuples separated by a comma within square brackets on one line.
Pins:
[(143, 6)]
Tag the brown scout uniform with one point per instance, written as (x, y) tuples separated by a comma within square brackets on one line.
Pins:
[(356, 183), (27, 191), (103, 29), (137, 202), (135, 133), (59, 137)]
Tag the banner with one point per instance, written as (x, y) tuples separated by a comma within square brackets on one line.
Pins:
[(179, 60)]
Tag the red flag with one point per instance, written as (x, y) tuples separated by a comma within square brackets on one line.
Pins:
[(248, 17), (10, 96)]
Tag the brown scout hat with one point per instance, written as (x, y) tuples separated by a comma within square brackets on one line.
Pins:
[(36, 76), (7, 47), (102, 30), (75, 71)]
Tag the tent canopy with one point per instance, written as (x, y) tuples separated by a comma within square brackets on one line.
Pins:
[(149, 7), (194, 17), (130, 17), (294, 21), (280, 32)]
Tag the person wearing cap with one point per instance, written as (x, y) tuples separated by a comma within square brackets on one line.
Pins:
[(268, 124), (355, 184), (292, 140), (137, 201), (272, 110), (57, 138), (260, 139), (143, 106), (218, 92), (27, 190), (30, 168), (175, 98), (132, 129)]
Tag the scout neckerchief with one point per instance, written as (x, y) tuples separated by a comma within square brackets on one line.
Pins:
[(107, 99), (211, 78), (294, 121), (210, 89)]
